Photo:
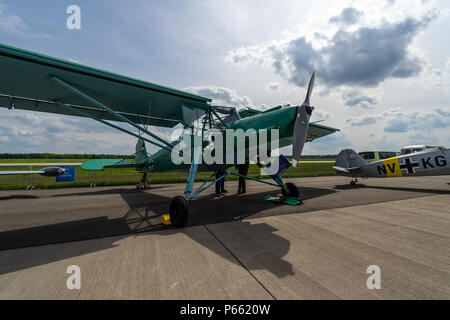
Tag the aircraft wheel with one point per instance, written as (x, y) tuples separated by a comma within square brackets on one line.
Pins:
[(178, 212), (353, 182), (290, 191)]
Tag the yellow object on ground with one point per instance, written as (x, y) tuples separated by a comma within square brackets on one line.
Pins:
[(165, 219)]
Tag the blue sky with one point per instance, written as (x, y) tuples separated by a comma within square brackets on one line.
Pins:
[(383, 67)]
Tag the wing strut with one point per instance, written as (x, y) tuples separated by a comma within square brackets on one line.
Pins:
[(82, 113), (107, 109)]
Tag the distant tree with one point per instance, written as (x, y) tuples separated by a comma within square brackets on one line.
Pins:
[(59, 156)]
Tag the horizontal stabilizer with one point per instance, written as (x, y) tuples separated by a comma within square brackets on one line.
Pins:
[(347, 170), (124, 164), (100, 164)]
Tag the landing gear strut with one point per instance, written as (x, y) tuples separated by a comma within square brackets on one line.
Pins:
[(353, 182), (178, 212), (291, 190), (143, 183)]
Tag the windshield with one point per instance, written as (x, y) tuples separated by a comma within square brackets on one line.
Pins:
[(227, 114), (367, 155), (386, 155)]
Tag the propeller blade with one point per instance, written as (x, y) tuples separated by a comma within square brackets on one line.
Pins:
[(310, 88), (300, 130), (302, 123)]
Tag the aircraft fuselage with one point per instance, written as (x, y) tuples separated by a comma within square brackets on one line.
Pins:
[(425, 163), (282, 119)]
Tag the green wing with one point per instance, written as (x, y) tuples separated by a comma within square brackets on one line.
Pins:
[(25, 84), (316, 131)]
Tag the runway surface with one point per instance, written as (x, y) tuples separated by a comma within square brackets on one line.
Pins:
[(235, 247)]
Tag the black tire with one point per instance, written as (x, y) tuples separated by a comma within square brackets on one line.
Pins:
[(178, 212), (290, 191), (353, 182)]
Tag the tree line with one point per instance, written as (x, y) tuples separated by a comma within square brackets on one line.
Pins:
[(60, 156)]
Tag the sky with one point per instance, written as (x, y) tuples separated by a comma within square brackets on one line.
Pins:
[(383, 67)]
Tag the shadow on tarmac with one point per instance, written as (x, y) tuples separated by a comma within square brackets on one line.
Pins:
[(419, 190), (144, 215)]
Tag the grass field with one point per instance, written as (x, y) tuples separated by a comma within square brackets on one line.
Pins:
[(128, 177)]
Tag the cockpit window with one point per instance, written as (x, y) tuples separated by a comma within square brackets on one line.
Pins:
[(386, 155), (367, 155), (227, 114)]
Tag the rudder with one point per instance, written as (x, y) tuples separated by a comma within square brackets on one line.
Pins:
[(348, 158), (141, 155)]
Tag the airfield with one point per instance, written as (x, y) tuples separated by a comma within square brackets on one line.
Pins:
[(234, 247)]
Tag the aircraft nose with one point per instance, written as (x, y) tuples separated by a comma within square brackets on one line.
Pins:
[(61, 171)]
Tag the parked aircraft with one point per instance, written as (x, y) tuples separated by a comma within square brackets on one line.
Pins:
[(47, 172), (35, 82), (429, 162)]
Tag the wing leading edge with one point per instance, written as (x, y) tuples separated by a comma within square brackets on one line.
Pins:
[(25, 83)]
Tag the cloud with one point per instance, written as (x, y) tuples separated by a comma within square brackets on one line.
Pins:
[(24, 131), (221, 96), (397, 125), (330, 144), (363, 101), (11, 23), (353, 98), (320, 115), (348, 16), (365, 56), (362, 121), (274, 86), (398, 121), (390, 2)]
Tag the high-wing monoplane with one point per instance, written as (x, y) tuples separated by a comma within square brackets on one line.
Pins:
[(35, 82)]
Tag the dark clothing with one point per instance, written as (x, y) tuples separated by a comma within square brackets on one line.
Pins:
[(243, 170), (220, 185)]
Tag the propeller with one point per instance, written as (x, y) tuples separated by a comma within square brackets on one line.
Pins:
[(301, 123)]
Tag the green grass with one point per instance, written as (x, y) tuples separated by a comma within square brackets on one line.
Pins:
[(43, 160), (122, 176)]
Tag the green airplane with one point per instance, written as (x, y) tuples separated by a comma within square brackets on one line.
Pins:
[(35, 82)]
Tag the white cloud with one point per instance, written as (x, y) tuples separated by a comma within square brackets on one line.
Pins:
[(221, 96), (273, 86), (362, 57), (11, 23), (397, 120)]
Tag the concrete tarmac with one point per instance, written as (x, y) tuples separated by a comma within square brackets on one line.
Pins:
[(235, 247)]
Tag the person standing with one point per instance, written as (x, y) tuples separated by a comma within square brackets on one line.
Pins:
[(243, 170), (220, 185)]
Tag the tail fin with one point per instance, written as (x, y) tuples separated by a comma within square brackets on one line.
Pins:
[(141, 155), (349, 159)]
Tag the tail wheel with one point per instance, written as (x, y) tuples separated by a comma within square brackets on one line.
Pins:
[(178, 212), (291, 190)]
